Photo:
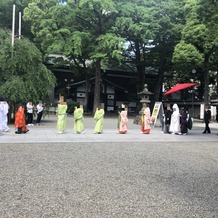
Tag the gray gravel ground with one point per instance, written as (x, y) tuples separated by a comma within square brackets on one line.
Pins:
[(44, 174), (109, 179)]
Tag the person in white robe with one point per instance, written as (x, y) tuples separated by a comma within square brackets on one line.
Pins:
[(5, 127), (1, 115), (175, 120)]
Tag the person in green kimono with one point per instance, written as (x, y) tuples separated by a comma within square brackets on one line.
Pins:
[(78, 120), (62, 117), (99, 119)]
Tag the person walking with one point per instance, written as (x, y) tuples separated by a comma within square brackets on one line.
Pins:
[(79, 120), (1, 115), (40, 109), (5, 127), (207, 118), (146, 121), (29, 107), (184, 122), (167, 119), (175, 121), (99, 119), (122, 120), (20, 121), (62, 116)]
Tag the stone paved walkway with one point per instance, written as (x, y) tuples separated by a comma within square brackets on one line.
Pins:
[(47, 133)]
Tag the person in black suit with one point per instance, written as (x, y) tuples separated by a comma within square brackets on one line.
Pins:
[(167, 119), (207, 118)]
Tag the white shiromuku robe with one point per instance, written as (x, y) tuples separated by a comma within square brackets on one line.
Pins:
[(175, 120)]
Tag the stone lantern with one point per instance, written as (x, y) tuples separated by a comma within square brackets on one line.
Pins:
[(144, 95)]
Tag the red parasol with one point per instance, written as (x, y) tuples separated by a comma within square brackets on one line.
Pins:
[(178, 87)]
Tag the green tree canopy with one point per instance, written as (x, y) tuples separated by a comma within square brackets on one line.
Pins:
[(141, 22), (23, 75), (199, 39), (187, 56), (136, 24), (80, 29), (6, 12), (169, 15)]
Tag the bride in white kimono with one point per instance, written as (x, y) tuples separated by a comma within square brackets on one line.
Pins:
[(2, 112), (175, 120)]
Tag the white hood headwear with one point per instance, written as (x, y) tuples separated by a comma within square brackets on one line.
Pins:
[(176, 108)]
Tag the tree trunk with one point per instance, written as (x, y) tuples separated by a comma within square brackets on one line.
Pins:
[(206, 81), (158, 86), (97, 84), (141, 77), (87, 92), (140, 67), (217, 82), (159, 83)]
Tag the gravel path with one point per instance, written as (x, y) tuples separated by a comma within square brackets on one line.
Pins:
[(103, 179)]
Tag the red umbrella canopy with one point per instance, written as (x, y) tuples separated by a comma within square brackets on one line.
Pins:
[(178, 87)]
